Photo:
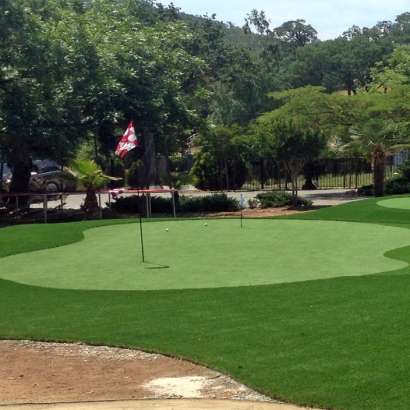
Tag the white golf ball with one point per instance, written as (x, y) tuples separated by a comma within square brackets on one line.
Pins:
[(167, 229), (206, 224)]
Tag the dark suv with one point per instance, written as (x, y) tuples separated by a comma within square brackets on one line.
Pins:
[(44, 165)]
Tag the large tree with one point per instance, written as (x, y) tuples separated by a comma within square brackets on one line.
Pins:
[(374, 139), (70, 67), (47, 65), (290, 143)]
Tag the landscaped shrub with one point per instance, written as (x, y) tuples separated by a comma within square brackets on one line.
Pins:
[(127, 204), (212, 203), (397, 185), (366, 190), (277, 199)]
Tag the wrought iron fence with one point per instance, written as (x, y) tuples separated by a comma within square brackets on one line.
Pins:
[(347, 173), (264, 174)]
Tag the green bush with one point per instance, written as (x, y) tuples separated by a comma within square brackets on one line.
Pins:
[(397, 185), (212, 203), (211, 174), (134, 203), (394, 186), (277, 199), (126, 204)]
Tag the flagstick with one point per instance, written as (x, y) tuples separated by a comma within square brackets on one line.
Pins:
[(142, 237)]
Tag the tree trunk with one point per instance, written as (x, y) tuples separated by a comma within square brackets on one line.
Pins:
[(20, 182), (308, 185), (379, 163), (90, 201)]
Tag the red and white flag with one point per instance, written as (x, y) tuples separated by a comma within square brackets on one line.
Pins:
[(128, 141)]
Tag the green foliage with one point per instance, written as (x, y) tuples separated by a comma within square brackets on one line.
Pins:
[(133, 175), (211, 203), (212, 174), (89, 173), (85, 151), (223, 159), (127, 204), (178, 164), (397, 186), (117, 170), (277, 199), (184, 204), (183, 178)]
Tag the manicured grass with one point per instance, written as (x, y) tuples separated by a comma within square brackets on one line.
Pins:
[(400, 203), (219, 254), (366, 211), (336, 343)]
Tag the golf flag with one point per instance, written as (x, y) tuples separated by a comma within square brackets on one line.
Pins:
[(242, 202), (128, 141)]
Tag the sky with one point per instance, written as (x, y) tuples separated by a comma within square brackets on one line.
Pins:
[(330, 18)]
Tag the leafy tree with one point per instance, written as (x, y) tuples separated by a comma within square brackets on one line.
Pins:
[(374, 139), (291, 144), (296, 33), (71, 65), (47, 66), (91, 177), (311, 107), (395, 72), (342, 64), (223, 159)]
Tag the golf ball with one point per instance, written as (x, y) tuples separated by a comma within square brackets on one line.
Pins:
[(206, 224), (167, 229)]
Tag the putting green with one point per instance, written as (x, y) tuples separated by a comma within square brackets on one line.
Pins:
[(399, 203), (191, 255)]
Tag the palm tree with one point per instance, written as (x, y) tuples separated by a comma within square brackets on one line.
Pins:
[(373, 139), (92, 177)]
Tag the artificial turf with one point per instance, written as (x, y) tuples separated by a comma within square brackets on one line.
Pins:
[(188, 254), (400, 203), (338, 343)]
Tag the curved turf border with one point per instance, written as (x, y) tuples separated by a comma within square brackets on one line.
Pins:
[(338, 343), (219, 255)]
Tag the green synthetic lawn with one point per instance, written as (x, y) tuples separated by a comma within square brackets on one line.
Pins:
[(219, 254), (400, 203), (338, 343)]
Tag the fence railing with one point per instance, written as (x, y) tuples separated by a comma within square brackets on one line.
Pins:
[(349, 173)]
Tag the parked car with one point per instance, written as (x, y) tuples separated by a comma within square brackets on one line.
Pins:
[(45, 165), (51, 177)]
